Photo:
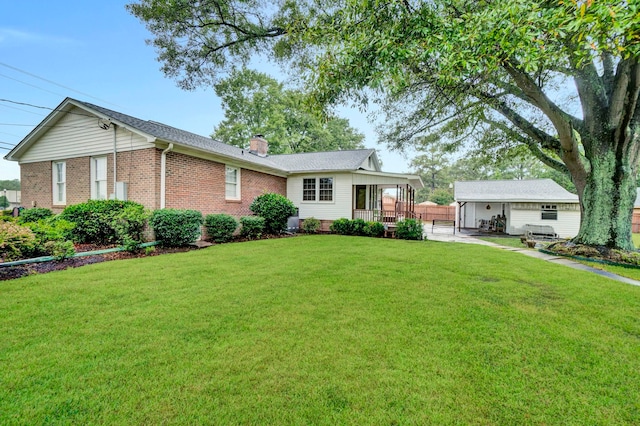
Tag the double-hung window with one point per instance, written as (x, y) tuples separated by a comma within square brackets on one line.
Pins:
[(549, 212), (232, 183), (99, 178), (317, 189), (59, 179)]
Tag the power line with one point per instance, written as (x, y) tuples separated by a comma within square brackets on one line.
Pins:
[(32, 85), (42, 107), (7, 143), (23, 110), (55, 84)]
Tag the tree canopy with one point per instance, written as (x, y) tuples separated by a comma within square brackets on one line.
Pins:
[(255, 103), (561, 78)]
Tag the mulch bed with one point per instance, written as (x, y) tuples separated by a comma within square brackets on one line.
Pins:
[(12, 272), (596, 253)]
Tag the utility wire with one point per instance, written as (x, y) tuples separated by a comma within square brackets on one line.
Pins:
[(32, 85), (42, 107), (9, 144), (55, 84)]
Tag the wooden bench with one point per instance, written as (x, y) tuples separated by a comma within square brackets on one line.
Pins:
[(443, 223), (539, 232)]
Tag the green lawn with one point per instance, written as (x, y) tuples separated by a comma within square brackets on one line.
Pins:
[(321, 330), (505, 241)]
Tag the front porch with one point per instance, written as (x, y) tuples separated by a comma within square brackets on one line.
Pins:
[(384, 203)]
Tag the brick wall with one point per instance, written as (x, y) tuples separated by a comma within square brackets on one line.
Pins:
[(192, 183), (35, 180), (199, 184)]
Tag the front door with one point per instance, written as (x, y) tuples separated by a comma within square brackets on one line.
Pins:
[(361, 197)]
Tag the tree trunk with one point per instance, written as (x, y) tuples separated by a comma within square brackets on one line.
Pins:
[(607, 202)]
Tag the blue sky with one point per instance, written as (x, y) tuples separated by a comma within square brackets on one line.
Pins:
[(98, 49)]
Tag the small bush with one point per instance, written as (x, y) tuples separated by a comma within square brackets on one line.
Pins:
[(175, 228), (35, 214), (275, 209), (409, 229), (60, 250), (220, 227), (94, 220), (341, 226), (251, 226), (16, 242), (374, 229), (52, 237), (311, 225), (129, 225), (358, 227)]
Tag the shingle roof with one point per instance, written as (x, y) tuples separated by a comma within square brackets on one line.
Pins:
[(315, 161), (182, 137), (533, 190), (318, 161)]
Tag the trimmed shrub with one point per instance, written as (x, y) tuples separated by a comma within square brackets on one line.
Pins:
[(52, 237), (409, 229), (275, 209), (175, 228), (358, 227), (35, 214), (251, 226), (311, 225), (16, 242), (129, 226), (94, 220), (220, 227), (374, 229), (341, 226)]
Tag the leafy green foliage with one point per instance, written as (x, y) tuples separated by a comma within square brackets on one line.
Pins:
[(16, 241), (442, 197), (13, 184), (409, 229), (53, 236), (359, 227), (4, 202), (251, 226), (255, 103), (220, 227), (311, 225), (175, 227), (275, 209), (129, 226), (94, 220), (34, 214), (374, 229), (341, 226)]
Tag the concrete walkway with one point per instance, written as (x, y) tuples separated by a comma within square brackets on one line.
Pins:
[(446, 235)]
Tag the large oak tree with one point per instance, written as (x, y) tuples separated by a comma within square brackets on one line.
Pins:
[(560, 77)]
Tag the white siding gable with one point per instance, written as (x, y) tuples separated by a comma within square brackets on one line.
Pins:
[(77, 135)]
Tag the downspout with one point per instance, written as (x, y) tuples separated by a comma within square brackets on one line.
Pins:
[(163, 175), (115, 168)]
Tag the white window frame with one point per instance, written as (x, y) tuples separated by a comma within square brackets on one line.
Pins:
[(319, 191), (97, 180), (58, 183), (227, 183), (550, 211)]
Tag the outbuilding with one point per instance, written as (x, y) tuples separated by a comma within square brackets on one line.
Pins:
[(508, 205)]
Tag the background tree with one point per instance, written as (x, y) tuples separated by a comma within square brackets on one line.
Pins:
[(488, 72), (255, 103), (4, 202), (13, 184)]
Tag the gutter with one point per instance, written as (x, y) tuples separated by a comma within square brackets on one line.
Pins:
[(163, 175)]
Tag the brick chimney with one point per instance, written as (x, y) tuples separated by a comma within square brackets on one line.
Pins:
[(259, 146)]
